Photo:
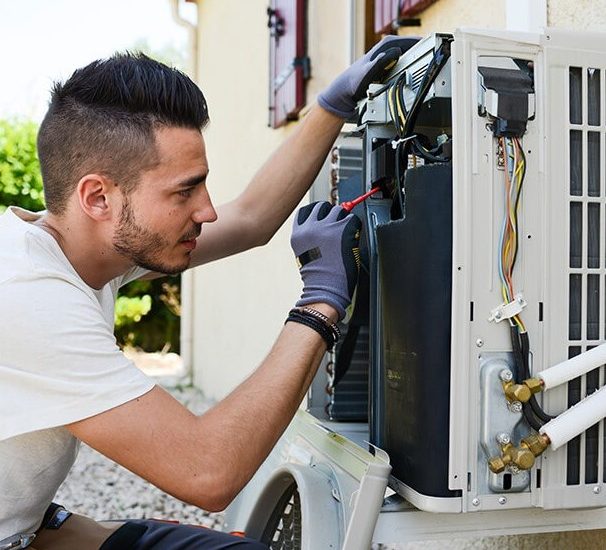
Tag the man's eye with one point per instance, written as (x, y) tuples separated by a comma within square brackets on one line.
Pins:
[(187, 192)]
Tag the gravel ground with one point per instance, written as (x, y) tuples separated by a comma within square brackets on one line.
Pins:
[(101, 489)]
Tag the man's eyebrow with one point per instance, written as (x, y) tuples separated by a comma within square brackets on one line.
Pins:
[(193, 181)]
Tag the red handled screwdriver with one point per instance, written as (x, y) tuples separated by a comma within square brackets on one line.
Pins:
[(349, 205)]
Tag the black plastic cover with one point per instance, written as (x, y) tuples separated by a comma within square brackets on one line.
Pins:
[(415, 263), (382, 165), (513, 87)]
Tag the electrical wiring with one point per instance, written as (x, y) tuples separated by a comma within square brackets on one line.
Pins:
[(404, 120), (514, 162)]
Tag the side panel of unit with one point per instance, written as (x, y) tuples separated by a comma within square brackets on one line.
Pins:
[(561, 267), (575, 70), (478, 215)]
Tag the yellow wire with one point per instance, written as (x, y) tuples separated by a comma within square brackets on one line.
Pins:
[(392, 111), (509, 239), (400, 111)]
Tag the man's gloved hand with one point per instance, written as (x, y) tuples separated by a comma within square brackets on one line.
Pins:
[(325, 241), (341, 97)]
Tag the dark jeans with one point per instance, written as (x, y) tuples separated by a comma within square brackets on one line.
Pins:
[(148, 534)]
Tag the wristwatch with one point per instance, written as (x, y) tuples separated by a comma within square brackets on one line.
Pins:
[(22, 540)]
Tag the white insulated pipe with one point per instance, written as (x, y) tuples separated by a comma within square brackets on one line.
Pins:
[(576, 366), (576, 420)]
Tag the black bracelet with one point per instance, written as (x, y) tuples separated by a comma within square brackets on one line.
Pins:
[(333, 326), (313, 322)]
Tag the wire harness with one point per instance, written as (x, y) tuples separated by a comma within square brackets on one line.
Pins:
[(404, 121), (514, 162)]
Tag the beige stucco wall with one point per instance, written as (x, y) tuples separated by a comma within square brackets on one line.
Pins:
[(447, 15), (240, 302), (577, 14)]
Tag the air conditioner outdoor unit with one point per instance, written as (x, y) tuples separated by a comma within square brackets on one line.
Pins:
[(487, 267), (480, 328)]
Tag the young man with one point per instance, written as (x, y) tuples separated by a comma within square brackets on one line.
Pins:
[(124, 168)]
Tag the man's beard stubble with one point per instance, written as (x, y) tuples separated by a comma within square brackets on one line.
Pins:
[(141, 246)]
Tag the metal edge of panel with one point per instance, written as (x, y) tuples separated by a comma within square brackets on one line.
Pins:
[(352, 458)]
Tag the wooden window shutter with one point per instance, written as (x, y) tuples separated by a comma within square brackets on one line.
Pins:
[(288, 62), (388, 11)]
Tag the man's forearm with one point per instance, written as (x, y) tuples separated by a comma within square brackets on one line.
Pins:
[(249, 421), (288, 174)]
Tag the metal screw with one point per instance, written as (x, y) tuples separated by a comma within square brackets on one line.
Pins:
[(476, 501), (374, 140), (502, 500), (479, 342), (503, 438), (506, 375), (513, 469), (498, 315), (596, 490), (515, 406)]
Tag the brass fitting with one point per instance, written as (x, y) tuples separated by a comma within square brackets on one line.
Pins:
[(496, 464), (536, 443), (523, 456), (522, 392), (516, 392), (535, 385)]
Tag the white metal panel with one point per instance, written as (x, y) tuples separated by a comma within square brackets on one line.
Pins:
[(542, 271), (563, 51), (478, 206)]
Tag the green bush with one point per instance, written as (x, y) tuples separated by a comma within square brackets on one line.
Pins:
[(147, 312), (131, 310), (158, 329), (20, 179)]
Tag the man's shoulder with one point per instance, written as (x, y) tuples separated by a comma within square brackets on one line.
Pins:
[(27, 252)]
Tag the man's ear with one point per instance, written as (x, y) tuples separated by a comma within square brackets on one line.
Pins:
[(96, 196)]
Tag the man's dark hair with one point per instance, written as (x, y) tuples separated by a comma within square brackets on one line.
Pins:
[(102, 120)]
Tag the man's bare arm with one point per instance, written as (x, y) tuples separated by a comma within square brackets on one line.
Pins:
[(207, 460)]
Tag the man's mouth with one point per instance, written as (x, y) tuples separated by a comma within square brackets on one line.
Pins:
[(189, 240), (190, 244)]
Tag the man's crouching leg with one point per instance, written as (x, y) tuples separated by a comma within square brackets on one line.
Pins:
[(86, 534), (161, 535)]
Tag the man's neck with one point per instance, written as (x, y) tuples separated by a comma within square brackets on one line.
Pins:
[(96, 263)]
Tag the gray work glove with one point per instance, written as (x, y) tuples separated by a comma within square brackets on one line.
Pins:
[(341, 97), (325, 241)]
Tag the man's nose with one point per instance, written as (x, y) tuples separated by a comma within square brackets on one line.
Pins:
[(205, 211)]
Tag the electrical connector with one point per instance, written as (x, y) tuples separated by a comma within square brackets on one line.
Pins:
[(507, 311)]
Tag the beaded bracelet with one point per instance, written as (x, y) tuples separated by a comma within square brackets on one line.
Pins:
[(315, 323)]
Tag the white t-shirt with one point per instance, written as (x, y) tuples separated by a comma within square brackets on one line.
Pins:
[(59, 363)]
